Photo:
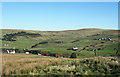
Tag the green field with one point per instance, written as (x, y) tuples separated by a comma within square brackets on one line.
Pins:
[(105, 62), (85, 37)]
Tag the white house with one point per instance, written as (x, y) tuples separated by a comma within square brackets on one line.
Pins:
[(99, 39), (8, 51), (13, 52), (109, 39), (75, 48), (27, 52)]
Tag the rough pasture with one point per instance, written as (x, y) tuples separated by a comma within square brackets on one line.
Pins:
[(61, 41), (93, 57), (41, 65)]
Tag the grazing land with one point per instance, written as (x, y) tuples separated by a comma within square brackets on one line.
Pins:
[(41, 65), (97, 52)]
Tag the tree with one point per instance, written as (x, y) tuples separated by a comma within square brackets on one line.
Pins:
[(47, 53), (95, 52), (73, 55), (116, 52), (57, 54)]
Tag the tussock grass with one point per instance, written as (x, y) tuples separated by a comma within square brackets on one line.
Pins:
[(14, 64)]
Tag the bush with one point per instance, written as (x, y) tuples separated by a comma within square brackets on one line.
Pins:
[(9, 37), (73, 55)]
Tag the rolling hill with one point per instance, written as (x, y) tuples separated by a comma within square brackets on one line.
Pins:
[(63, 41), (98, 52)]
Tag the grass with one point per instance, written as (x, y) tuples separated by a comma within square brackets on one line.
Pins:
[(109, 50), (86, 62), (85, 54), (22, 64), (11, 63), (85, 36)]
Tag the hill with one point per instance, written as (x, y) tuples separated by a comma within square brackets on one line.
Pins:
[(96, 53), (87, 40)]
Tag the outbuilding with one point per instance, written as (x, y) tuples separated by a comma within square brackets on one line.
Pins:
[(27, 52), (75, 48)]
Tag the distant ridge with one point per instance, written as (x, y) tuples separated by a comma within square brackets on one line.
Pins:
[(90, 29), (61, 30)]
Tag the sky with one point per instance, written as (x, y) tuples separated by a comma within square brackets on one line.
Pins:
[(58, 16)]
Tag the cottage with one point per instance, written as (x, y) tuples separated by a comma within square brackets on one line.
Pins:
[(13, 52), (99, 39), (27, 52), (102, 38), (8, 51), (75, 48), (109, 39)]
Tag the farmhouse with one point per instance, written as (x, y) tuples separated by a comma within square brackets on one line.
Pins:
[(27, 52), (11, 51), (8, 51), (75, 48), (100, 39), (107, 39)]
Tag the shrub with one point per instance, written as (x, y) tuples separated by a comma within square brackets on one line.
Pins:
[(73, 55), (57, 55), (9, 37)]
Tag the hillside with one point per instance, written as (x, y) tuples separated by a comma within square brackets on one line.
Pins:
[(60, 41), (98, 52), (22, 64)]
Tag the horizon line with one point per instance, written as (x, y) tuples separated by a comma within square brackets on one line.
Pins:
[(65, 30)]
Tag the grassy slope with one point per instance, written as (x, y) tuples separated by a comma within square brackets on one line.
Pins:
[(22, 64), (67, 37)]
